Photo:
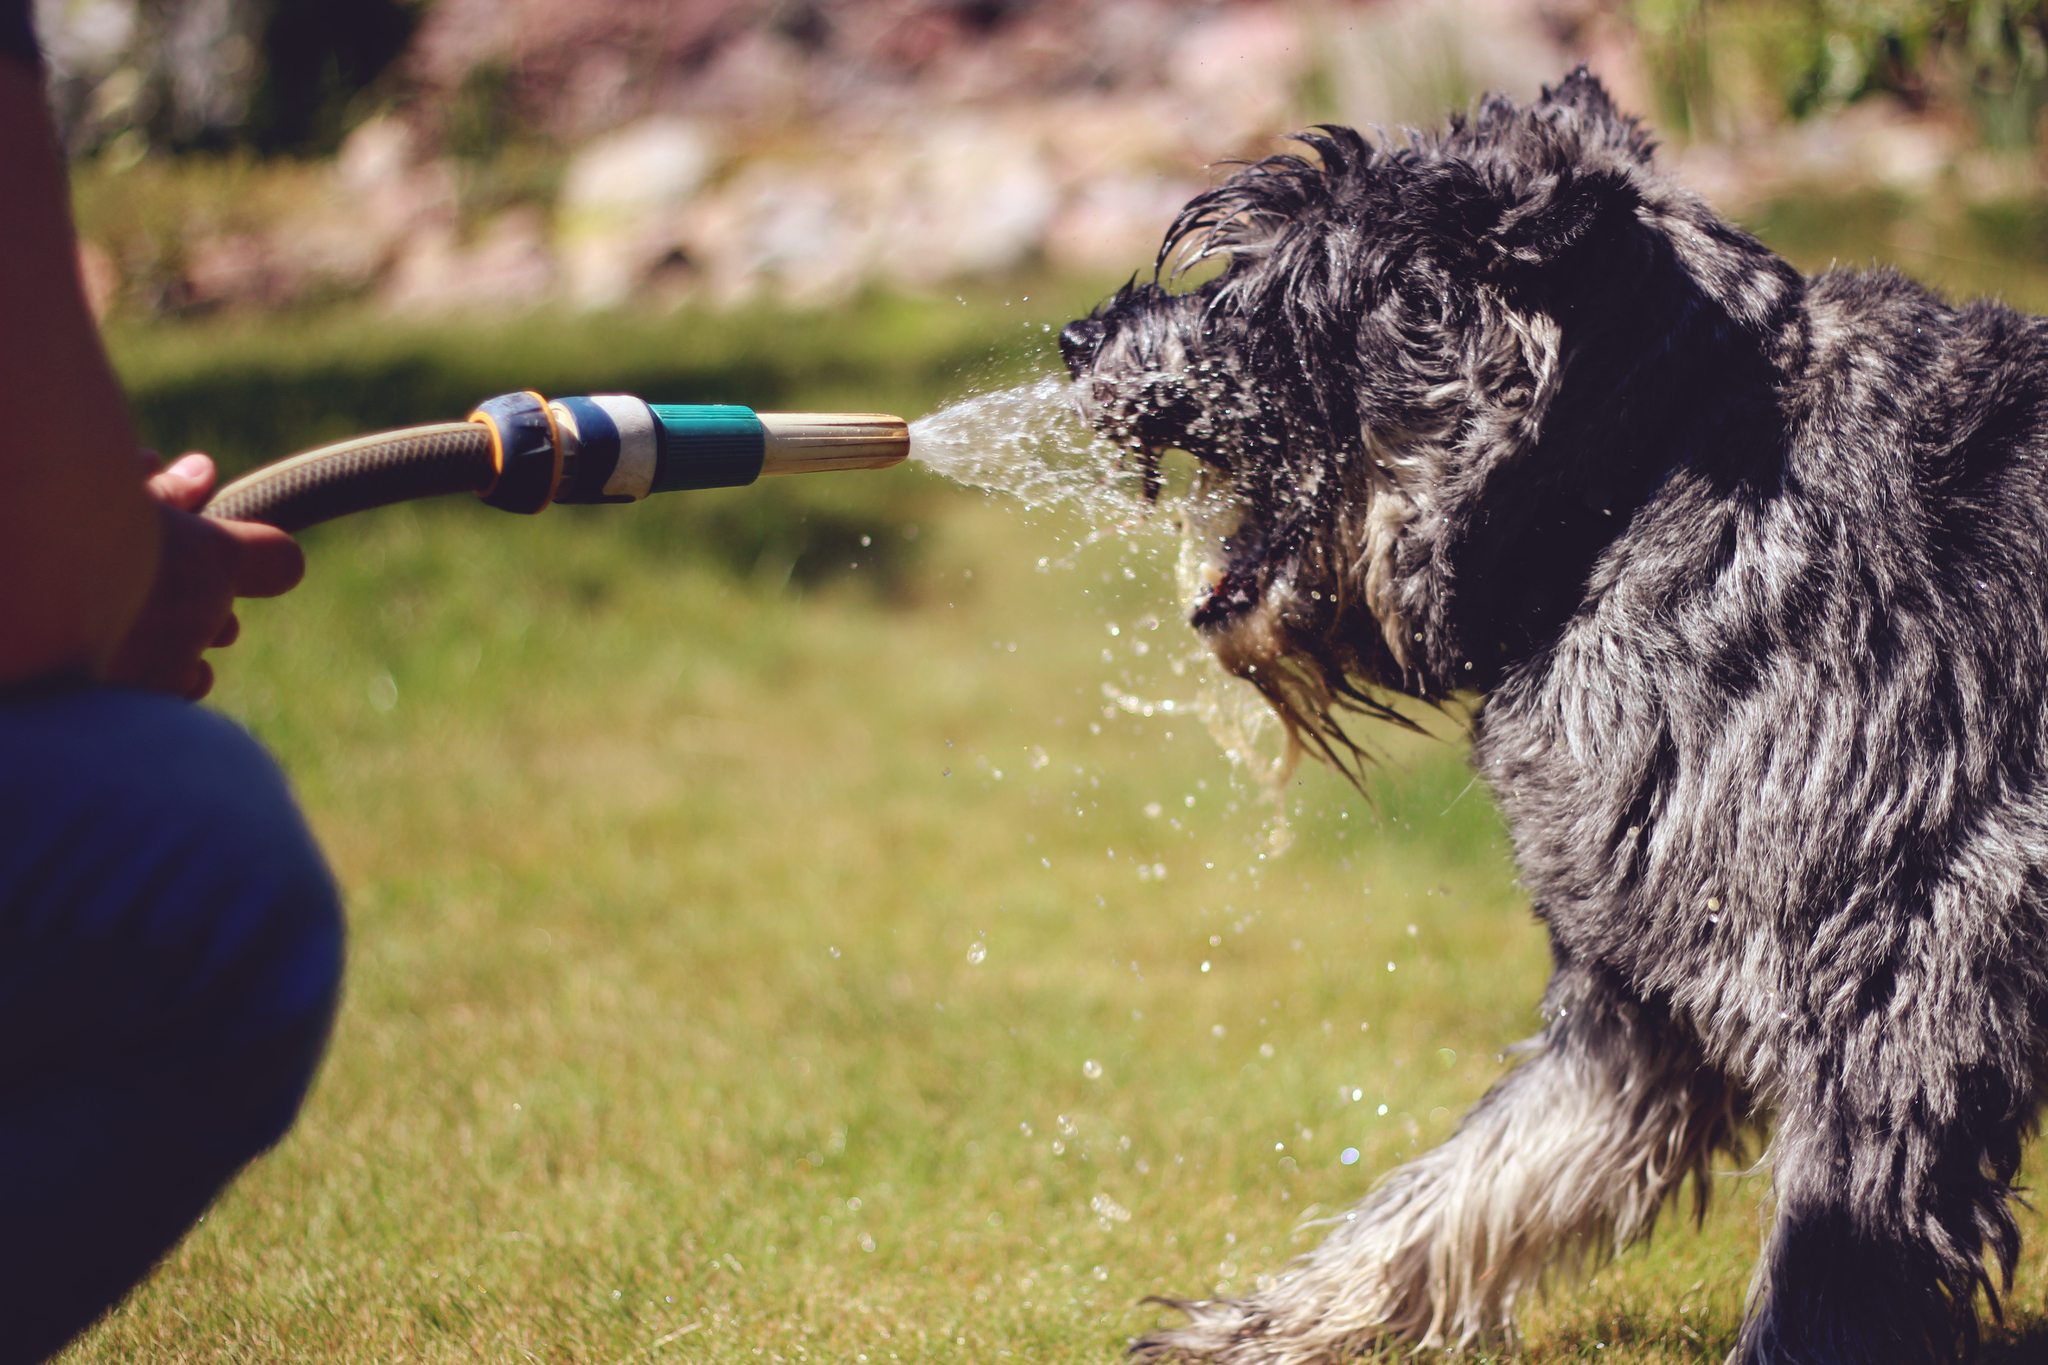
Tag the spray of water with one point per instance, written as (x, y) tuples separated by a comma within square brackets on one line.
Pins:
[(1029, 442)]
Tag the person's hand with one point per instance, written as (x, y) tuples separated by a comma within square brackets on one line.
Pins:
[(205, 565)]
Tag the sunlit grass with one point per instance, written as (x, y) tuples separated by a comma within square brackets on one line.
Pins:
[(686, 912), (772, 941)]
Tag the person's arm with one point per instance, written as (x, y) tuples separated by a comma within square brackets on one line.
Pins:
[(102, 575), (79, 539)]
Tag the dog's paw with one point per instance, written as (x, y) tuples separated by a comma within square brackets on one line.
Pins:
[(1220, 1330), (1239, 1332)]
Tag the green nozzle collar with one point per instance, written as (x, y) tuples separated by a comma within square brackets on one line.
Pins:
[(706, 445)]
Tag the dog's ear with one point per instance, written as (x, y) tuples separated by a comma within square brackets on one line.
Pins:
[(1509, 218), (1542, 219), (1581, 102), (1524, 187)]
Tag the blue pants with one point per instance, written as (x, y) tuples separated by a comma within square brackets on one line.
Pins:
[(170, 954)]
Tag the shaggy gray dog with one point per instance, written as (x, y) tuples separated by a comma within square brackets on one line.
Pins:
[(1748, 569)]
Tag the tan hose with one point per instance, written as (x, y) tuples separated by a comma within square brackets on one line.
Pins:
[(354, 476)]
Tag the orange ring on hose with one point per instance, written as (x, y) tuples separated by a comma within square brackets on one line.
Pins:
[(526, 451)]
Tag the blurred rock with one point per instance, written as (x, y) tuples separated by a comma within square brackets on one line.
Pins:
[(1241, 70), (613, 222), (241, 269), (507, 267), (384, 204), (1874, 143), (1114, 223), (653, 164)]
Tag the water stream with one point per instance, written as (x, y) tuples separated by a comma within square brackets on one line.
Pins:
[(1029, 443)]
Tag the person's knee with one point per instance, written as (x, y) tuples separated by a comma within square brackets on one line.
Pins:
[(162, 873), (170, 956)]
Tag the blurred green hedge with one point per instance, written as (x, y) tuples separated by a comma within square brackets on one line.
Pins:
[(1711, 60)]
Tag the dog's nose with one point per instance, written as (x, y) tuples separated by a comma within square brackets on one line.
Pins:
[(1079, 341)]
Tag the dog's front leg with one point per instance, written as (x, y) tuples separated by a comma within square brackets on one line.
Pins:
[(1571, 1153), (1886, 1208)]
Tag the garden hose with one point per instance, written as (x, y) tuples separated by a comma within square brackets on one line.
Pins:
[(521, 453)]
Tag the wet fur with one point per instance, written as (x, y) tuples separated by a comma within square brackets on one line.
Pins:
[(1748, 569)]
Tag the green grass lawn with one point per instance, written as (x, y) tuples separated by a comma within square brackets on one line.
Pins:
[(790, 924)]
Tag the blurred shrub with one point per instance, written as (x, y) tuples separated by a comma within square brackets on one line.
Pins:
[(1716, 63), (320, 62), (277, 77)]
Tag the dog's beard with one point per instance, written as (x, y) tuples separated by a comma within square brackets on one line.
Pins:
[(1292, 585), (1210, 515)]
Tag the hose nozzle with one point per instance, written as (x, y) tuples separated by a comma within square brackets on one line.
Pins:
[(810, 442), (520, 453), (617, 448)]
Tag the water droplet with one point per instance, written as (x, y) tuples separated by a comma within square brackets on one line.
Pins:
[(1349, 1156), (1383, 1111), (1205, 967), (976, 952), (1092, 1069), (383, 693)]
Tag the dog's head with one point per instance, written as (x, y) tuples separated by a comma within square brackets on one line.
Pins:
[(1368, 379)]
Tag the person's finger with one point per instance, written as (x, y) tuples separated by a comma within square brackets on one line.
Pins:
[(269, 561), (185, 484), (229, 633)]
